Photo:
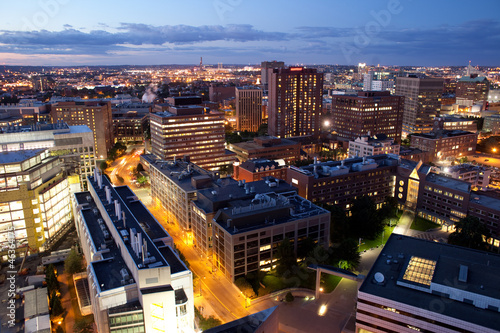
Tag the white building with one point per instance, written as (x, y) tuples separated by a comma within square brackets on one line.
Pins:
[(369, 146), (475, 175), (74, 144), (136, 280)]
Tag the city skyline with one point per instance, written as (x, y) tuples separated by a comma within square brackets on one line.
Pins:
[(424, 33)]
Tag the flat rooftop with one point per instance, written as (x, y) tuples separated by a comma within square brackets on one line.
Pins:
[(383, 160), (264, 211), (409, 270), (485, 200), (179, 172), (443, 134), (36, 302), (8, 157), (134, 212), (448, 182), (253, 146)]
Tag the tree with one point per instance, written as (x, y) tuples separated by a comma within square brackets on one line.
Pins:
[(83, 325), (245, 287), (365, 221), (289, 297), (389, 208), (286, 256), (142, 180), (469, 233), (140, 167), (262, 131), (103, 165), (347, 253), (339, 224), (226, 169), (73, 263), (305, 247), (51, 279), (57, 308)]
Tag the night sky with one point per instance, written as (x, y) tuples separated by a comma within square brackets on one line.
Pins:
[(388, 32)]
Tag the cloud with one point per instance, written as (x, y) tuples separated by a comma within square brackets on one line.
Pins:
[(67, 26)]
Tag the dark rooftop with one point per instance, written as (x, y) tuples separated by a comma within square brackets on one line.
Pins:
[(176, 265), (458, 271), (248, 324), (442, 134)]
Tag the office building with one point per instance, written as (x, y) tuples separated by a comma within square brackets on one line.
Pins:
[(473, 87), (218, 92), (73, 144), (423, 286), (130, 121), (190, 131), (248, 109), (29, 112), (445, 145), (136, 281), (366, 113), (34, 200), (266, 70), (267, 147), (174, 184), (422, 102), (445, 200), (295, 102), (340, 182), (475, 175), (451, 123), (96, 115), (492, 124), (369, 146), (249, 220), (259, 168)]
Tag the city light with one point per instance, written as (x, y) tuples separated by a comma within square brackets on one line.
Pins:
[(322, 310)]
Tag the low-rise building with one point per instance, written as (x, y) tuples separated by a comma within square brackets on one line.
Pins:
[(259, 168), (445, 145), (492, 124), (452, 123), (136, 280), (369, 146), (340, 182), (423, 286), (267, 147), (475, 175)]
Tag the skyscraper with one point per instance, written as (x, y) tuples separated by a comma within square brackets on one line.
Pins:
[(370, 112), (266, 70), (295, 101), (422, 102), (248, 108)]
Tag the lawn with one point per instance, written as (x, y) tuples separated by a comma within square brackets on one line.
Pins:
[(422, 224), (367, 244)]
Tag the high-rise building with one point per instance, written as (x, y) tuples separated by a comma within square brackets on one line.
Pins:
[(370, 112), (248, 108), (73, 144), (190, 131), (35, 203), (136, 281), (422, 102), (473, 88), (96, 115), (417, 285), (295, 102), (266, 70)]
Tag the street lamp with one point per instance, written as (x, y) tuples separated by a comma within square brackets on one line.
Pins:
[(494, 150)]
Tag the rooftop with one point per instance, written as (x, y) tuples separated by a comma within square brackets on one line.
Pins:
[(36, 302), (442, 134), (448, 182), (485, 200), (412, 270), (8, 157), (248, 324)]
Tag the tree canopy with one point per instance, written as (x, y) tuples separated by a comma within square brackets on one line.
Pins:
[(469, 233)]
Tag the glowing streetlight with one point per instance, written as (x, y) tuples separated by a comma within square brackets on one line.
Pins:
[(322, 310), (494, 150)]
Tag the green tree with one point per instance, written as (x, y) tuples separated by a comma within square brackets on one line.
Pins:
[(305, 247), (140, 167), (365, 221), (83, 325), (51, 279), (286, 256), (103, 166), (289, 297), (245, 287), (347, 253), (142, 180), (73, 263), (339, 224), (469, 233), (226, 169), (57, 308), (262, 131)]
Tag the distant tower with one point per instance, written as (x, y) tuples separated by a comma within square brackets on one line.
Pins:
[(201, 63), (469, 72)]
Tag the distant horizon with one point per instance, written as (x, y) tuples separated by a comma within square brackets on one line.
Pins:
[(111, 33)]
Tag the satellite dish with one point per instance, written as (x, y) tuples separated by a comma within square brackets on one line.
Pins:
[(379, 277)]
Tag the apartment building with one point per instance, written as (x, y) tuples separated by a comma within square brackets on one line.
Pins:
[(267, 147), (369, 146), (257, 169), (445, 145), (248, 108)]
